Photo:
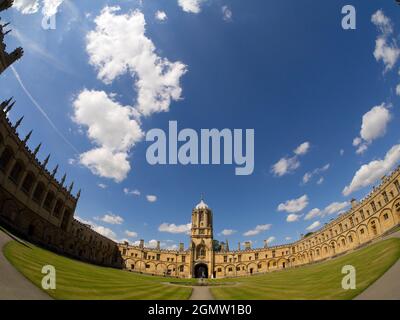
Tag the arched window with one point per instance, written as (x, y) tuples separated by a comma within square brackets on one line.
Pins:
[(28, 183), (5, 159), (57, 209), (16, 172), (48, 202), (39, 191)]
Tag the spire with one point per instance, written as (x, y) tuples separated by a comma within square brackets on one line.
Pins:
[(78, 195), (27, 137), (54, 171), (226, 245), (46, 161), (17, 124), (5, 103), (37, 149), (8, 109), (63, 179), (70, 187)]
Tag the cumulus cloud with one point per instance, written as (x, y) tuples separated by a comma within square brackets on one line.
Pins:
[(374, 125), (227, 232), (161, 15), (292, 217), (332, 208), (258, 229), (151, 198), (294, 205), (289, 164), (373, 171), (302, 149), (398, 90), (111, 219), (131, 234), (313, 226), (102, 186), (50, 7), (27, 6), (191, 6), (309, 175), (119, 45), (386, 49), (173, 228)]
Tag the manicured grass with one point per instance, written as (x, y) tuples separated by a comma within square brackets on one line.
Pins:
[(77, 280), (319, 281)]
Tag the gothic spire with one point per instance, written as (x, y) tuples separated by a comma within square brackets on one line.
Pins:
[(17, 124), (54, 171), (5, 103), (70, 187), (37, 149), (46, 161), (78, 195), (8, 109), (27, 137), (63, 179)]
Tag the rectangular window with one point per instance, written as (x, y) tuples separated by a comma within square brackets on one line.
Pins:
[(385, 197), (373, 206), (397, 184), (225, 259)]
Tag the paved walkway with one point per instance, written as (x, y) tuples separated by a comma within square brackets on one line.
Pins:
[(201, 293), (13, 285), (386, 287)]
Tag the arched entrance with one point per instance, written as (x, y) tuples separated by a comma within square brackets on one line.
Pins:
[(201, 271)]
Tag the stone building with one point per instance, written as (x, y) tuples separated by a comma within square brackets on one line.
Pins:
[(36, 205), (33, 203), (369, 219)]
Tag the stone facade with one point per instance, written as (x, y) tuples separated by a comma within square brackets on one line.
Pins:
[(367, 220)]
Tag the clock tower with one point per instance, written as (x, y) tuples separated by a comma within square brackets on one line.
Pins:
[(202, 254)]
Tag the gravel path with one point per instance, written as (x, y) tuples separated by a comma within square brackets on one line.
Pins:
[(13, 285)]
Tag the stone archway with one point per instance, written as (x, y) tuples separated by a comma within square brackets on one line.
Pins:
[(200, 271)]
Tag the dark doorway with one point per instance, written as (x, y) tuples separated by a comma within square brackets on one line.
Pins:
[(31, 230), (201, 271), (251, 270), (283, 265)]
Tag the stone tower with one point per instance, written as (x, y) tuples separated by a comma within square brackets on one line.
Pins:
[(202, 254)]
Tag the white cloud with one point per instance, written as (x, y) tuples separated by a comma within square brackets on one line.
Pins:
[(385, 50), (294, 205), (258, 229), (131, 234), (111, 219), (227, 13), (398, 90), (119, 45), (313, 226), (293, 217), (151, 198), (134, 192), (161, 15), (373, 171), (102, 186), (335, 207), (27, 6), (374, 125), (320, 181), (173, 228), (288, 238), (341, 152), (285, 166), (110, 126), (308, 176), (302, 149), (192, 6), (312, 214), (271, 239), (227, 232), (288, 164), (332, 208)]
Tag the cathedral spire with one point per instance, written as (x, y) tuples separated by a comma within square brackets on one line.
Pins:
[(46, 161), (54, 171), (8, 109), (5, 103), (63, 179), (18, 123), (70, 187), (37, 149), (27, 137)]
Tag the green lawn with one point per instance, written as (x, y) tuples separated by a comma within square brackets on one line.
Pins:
[(319, 281), (77, 280)]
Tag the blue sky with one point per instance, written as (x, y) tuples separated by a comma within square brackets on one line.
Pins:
[(284, 68)]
